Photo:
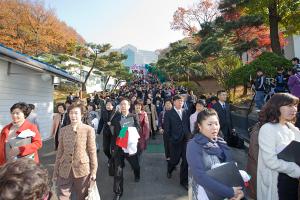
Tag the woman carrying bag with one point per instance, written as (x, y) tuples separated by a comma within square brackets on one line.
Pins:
[(76, 160)]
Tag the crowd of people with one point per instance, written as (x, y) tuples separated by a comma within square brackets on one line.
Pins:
[(197, 133), (285, 80)]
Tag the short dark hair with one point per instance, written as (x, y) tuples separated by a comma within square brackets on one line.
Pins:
[(176, 97), (201, 102), (296, 59), (31, 106), (23, 179), (23, 107), (110, 101), (93, 105), (77, 104), (220, 91), (61, 104), (271, 110), (280, 68), (214, 98), (139, 102), (168, 99)]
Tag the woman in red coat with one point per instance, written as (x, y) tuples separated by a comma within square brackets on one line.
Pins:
[(12, 146), (144, 122)]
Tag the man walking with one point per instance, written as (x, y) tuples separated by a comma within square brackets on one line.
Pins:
[(176, 126), (121, 120)]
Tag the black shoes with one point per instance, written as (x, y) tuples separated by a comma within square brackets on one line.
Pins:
[(137, 179), (169, 175), (185, 186), (117, 197)]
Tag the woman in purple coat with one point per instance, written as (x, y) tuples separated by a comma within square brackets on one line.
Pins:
[(294, 83)]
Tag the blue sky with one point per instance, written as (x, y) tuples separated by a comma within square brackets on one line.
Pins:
[(142, 23)]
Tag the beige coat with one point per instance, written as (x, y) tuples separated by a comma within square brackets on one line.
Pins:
[(76, 151), (152, 113), (55, 124)]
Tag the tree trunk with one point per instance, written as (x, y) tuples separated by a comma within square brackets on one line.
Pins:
[(234, 91), (83, 87), (245, 89), (274, 29), (117, 84), (89, 73), (106, 82)]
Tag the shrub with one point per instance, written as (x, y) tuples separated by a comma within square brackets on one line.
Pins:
[(267, 62)]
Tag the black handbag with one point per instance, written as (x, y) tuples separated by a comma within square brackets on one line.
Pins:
[(235, 141)]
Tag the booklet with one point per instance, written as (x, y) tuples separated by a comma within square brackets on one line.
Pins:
[(228, 174), (127, 122), (291, 153)]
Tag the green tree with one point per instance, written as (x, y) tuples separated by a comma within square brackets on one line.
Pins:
[(97, 61), (179, 62), (110, 65), (283, 15)]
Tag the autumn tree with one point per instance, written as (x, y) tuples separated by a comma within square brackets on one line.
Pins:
[(27, 26), (280, 16), (189, 20)]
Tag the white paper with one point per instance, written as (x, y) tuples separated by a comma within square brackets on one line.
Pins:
[(26, 133), (133, 139)]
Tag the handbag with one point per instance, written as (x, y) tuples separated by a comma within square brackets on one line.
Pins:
[(93, 192), (235, 140), (111, 128)]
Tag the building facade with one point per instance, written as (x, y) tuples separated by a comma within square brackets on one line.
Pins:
[(136, 56), (23, 79)]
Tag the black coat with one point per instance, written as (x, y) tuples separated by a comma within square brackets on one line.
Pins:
[(224, 118), (176, 129), (105, 118)]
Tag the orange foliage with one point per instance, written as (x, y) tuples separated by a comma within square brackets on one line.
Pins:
[(260, 33), (28, 27), (189, 20)]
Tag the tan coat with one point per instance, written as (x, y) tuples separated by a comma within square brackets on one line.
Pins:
[(55, 124), (152, 113), (76, 151)]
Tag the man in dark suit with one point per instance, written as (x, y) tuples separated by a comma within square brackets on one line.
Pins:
[(176, 126), (223, 110), (118, 155)]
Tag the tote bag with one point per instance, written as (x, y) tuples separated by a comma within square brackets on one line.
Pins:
[(93, 192)]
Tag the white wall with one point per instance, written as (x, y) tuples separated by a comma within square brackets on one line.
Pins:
[(292, 49), (297, 45), (28, 87)]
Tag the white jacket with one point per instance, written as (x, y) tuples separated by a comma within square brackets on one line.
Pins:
[(272, 139)]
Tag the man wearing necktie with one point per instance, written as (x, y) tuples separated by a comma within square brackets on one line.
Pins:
[(176, 126), (223, 110)]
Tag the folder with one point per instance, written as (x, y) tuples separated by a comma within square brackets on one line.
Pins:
[(291, 153), (18, 142), (127, 122), (227, 174)]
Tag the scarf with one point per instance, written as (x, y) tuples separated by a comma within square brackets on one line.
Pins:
[(213, 147)]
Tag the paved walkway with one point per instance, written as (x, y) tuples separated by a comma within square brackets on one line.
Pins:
[(153, 185)]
